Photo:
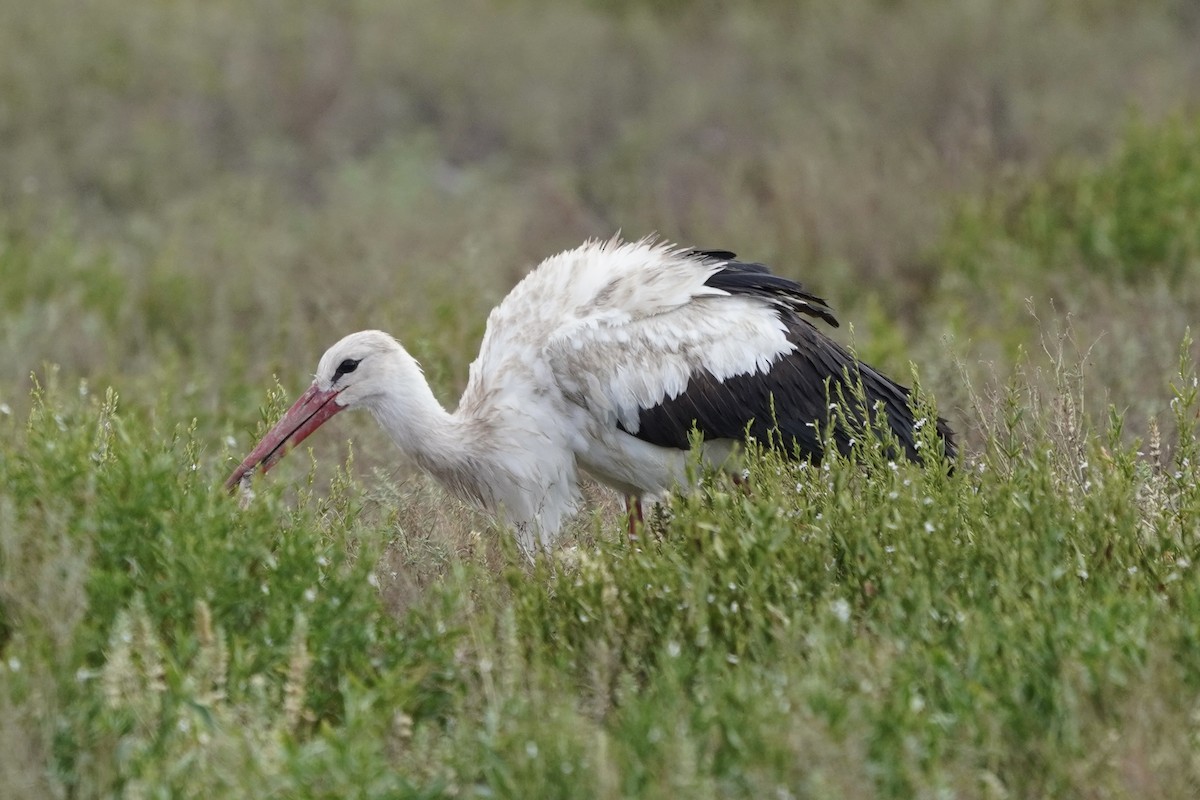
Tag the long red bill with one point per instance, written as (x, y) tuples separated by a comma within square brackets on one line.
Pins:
[(313, 408)]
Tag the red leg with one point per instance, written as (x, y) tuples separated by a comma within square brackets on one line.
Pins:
[(633, 510)]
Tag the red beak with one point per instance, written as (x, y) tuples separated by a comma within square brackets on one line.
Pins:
[(309, 413)]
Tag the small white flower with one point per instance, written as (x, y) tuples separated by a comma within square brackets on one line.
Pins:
[(840, 609)]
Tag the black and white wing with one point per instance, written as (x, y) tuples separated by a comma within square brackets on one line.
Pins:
[(734, 353)]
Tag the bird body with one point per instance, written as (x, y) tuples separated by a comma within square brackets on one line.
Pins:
[(602, 360)]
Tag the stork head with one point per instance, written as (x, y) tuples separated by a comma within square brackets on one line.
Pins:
[(357, 371)]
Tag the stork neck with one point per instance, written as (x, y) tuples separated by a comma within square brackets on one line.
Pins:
[(417, 422), (445, 445)]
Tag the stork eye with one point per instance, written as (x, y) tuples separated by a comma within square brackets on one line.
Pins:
[(346, 367)]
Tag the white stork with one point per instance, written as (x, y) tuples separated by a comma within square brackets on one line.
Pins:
[(602, 360)]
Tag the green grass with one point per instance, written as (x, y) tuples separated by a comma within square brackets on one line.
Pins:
[(195, 199), (1135, 218), (859, 629)]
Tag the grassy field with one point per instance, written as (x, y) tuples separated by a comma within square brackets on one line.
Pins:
[(196, 199)]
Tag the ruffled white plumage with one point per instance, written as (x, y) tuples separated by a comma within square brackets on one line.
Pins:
[(586, 341), (600, 361)]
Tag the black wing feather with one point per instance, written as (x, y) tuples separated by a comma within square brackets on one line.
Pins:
[(787, 405), (751, 278)]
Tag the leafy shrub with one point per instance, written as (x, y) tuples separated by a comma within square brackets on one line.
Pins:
[(157, 611), (1135, 216)]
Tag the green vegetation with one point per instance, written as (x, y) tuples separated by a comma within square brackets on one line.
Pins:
[(860, 629), (1133, 218), (197, 197)]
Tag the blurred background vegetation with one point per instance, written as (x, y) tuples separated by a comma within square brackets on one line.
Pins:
[(195, 196)]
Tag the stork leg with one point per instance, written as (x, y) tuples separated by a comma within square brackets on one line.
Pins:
[(633, 512)]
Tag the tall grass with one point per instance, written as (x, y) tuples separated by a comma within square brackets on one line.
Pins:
[(865, 628)]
